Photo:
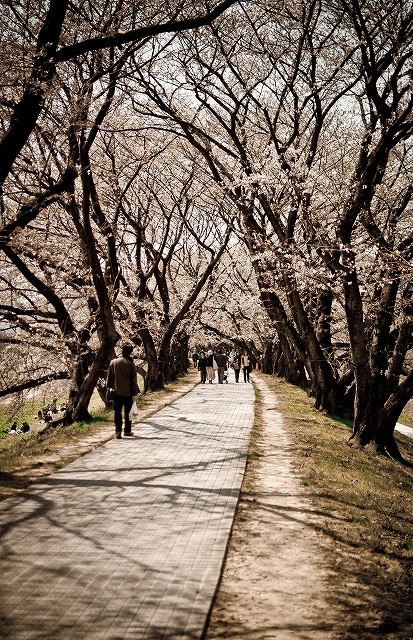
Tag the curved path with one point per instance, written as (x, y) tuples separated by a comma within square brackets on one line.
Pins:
[(129, 541)]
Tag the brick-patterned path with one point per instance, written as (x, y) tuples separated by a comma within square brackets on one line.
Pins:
[(128, 541)]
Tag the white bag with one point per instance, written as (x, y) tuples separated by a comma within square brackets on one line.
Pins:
[(133, 413)]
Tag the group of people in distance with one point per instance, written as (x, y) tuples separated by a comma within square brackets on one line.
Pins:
[(43, 415), (122, 385), (210, 363)]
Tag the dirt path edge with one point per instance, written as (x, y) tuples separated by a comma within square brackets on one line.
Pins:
[(275, 580)]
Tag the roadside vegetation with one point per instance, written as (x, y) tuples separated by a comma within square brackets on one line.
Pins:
[(366, 504), (25, 458)]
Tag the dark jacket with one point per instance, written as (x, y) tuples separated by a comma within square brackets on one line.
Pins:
[(202, 363), (221, 360), (209, 360), (122, 376)]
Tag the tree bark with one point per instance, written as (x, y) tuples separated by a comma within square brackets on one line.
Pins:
[(29, 107)]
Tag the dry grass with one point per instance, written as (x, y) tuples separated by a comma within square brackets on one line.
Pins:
[(366, 506)]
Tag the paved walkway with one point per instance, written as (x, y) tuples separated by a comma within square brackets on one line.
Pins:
[(407, 431), (129, 541)]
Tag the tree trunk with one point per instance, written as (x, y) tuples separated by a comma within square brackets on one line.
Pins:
[(370, 394), (152, 374), (324, 385), (85, 376), (307, 351), (178, 358), (375, 430), (292, 368), (269, 357)]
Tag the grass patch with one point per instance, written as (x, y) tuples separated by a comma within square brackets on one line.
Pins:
[(406, 420), (15, 449), (358, 481), (254, 450), (21, 454), (25, 412), (365, 504)]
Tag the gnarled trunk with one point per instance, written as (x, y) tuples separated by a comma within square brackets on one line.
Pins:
[(374, 428), (86, 372), (152, 381)]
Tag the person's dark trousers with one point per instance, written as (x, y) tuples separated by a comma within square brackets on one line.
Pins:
[(246, 374), (122, 403), (221, 374), (203, 375), (236, 371)]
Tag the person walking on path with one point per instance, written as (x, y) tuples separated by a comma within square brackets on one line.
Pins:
[(122, 377), (210, 371), (202, 366), (221, 360), (246, 366), (236, 365)]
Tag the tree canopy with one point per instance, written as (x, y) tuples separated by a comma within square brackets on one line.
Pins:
[(225, 171)]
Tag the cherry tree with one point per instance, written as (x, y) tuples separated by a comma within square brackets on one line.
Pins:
[(169, 246), (44, 39), (230, 311), (135, 247), (44, 171), (263, 100)]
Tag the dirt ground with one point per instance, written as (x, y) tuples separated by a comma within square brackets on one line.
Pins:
[(299, 566), (275, 581)]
